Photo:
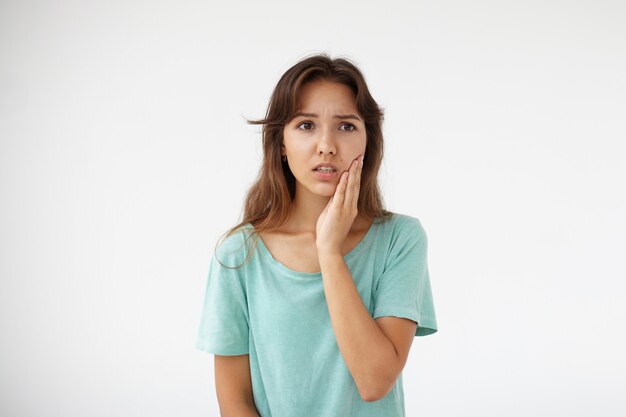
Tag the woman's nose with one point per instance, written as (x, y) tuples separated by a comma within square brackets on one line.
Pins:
[(326, 142)]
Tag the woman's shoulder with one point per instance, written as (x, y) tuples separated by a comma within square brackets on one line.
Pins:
[(402, 234), (401, 220), (235, 246), (405, 227)]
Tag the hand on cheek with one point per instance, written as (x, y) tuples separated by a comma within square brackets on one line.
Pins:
[(334, 223)]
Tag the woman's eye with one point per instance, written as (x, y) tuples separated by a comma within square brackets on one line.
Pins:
[(349, 127), (305, 125)]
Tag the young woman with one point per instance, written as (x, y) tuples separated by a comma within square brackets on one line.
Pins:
[(313, 300)]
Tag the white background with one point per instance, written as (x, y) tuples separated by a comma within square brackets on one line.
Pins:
[(124, 155)]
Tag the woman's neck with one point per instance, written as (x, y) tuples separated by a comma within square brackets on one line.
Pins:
[(305, 210)]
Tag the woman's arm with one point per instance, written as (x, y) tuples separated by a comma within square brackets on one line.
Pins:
[(240, 410), (371, 357), (375, 352), (234, 386)]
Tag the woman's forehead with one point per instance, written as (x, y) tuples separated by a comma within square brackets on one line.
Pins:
[(321, 88), (327, 96)]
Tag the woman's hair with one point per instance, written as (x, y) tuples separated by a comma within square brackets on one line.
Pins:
[(268, 200)]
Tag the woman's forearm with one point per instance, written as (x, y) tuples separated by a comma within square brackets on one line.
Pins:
[(240, 410), (369, 355)]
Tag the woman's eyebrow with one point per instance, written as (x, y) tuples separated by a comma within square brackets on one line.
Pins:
[(337, 116)]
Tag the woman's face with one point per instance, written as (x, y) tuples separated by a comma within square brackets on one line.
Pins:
[(326, 129)]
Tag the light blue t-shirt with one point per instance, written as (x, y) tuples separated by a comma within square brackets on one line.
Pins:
[(280, 318)]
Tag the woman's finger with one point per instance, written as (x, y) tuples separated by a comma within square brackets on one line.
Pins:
[(340, 191), (357, 180), (352, 186)]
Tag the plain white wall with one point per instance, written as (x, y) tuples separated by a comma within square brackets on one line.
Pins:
[(124, 155)]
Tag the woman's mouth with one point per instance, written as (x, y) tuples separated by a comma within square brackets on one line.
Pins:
[(325, 171)]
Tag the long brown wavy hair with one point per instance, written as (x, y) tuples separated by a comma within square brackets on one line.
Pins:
[(268, 200)]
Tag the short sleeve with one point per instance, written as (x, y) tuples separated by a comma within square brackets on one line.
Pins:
[(224, 319), (403, 289)]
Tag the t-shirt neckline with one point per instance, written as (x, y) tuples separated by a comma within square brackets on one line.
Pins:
[(288, 271)]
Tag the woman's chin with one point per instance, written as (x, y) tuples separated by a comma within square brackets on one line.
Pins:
[(325, 190)]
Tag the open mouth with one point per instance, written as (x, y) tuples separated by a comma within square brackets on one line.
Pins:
[(325, 169)]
